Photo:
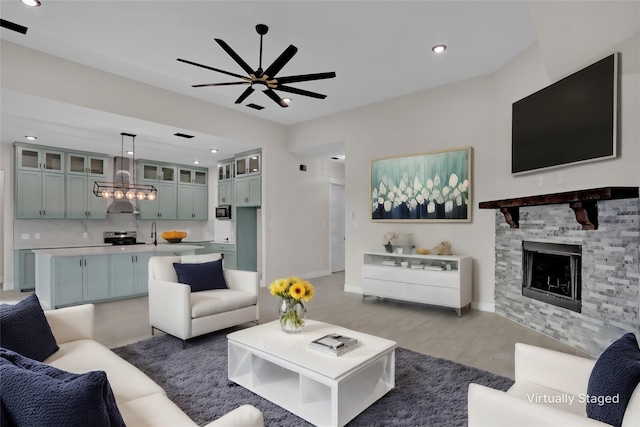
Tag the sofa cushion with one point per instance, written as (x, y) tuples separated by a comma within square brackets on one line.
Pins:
[(40, 395), (216, 301), (127, 381), (25, 329), (201, 277), (613, 380)]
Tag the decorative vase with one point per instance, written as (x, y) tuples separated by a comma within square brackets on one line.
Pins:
[(389, 247), (292, 315)]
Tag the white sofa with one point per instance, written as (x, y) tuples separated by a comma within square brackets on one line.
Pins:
[(174, 309), (142, 402), (541, 373)]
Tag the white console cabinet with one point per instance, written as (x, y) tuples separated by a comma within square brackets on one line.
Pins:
[(429, 279)]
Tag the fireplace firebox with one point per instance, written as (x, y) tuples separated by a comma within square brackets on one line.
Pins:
[(552, 273)]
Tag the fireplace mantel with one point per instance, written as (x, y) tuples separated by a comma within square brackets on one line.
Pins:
[(583, 202)]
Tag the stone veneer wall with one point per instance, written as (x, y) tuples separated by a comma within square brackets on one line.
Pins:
[(610, 273)]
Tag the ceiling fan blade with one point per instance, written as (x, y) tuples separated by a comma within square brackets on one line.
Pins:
[(248, 91), (281, 61), (306, 77), (221, 84), (235, 56), (214, 69), (271, 94), (301, 92)]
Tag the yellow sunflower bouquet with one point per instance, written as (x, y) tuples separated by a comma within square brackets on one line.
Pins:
[(294, 292)]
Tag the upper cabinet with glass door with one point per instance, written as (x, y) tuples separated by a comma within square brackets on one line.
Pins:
[(226, 170), (192, 176), (249, 164), (156, 172), (86, 164), (30, 158)]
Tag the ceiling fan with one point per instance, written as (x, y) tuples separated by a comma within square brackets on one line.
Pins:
[(265, 80)]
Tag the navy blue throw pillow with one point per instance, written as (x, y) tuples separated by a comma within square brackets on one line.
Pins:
[(25, 329), (35, 394), (202, 276), (613, 380)]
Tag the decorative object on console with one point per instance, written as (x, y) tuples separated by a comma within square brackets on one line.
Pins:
[(443, 248), (388, 238), (293, 291), (173, 236), (423, 251), (422, 187)]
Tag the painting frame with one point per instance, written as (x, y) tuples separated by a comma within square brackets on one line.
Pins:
[(424, 187)]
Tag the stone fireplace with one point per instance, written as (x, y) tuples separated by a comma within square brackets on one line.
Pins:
[(604, 226)]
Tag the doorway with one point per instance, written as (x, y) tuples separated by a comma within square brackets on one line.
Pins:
[(336, 225)]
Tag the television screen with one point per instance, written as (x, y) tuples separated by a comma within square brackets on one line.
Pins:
[(573, 120)]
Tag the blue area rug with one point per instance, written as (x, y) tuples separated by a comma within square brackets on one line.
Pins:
[(428, 392)]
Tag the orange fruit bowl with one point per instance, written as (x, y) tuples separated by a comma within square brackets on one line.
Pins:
[(173, 236)]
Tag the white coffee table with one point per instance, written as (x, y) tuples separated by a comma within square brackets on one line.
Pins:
[(321, 388)]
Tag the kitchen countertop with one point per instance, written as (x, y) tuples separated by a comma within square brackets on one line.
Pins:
[(61, 246), (110, 249)]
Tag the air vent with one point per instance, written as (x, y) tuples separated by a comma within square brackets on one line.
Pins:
[(13, 27), (183, 135), (255, 107)]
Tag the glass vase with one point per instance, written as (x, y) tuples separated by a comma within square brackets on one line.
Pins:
[(292, 315)]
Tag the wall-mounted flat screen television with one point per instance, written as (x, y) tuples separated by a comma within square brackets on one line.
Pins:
[(573, 120)]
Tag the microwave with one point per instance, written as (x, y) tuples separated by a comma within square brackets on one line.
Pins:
[(223, 212)]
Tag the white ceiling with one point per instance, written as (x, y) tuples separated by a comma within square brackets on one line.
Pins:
[(378, 49)]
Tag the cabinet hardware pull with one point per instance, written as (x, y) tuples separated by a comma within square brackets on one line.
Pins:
[(85, 262), (80, 262), (44, 213)]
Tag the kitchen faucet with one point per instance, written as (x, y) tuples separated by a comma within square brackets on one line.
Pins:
[(154, 233)]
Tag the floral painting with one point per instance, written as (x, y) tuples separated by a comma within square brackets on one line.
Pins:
[(422, 187)]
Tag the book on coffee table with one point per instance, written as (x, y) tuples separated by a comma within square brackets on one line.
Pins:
[(334, 344)]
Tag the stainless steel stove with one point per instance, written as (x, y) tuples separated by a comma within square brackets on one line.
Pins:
[(121, 238)]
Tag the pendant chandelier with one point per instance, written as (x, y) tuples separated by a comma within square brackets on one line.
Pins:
[(125, 190)]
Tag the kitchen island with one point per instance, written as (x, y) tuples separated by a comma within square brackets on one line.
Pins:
[(70, 276)]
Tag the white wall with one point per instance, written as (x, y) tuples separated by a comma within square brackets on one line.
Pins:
[(477, 113)]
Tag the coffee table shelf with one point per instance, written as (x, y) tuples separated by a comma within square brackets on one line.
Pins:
[(323, 389)]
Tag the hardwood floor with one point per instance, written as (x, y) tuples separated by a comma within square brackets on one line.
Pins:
[(480, 339)]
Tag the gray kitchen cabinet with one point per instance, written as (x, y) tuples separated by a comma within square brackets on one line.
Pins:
[(228, 250), (248, 191), (129, 274), (40, 159), (225, 193), (81, 279), (24, 270), (165, 206), (193, 203), (192, 176), (39, 195), (87, 164), (149, 171), (81, 203), (249, 164)]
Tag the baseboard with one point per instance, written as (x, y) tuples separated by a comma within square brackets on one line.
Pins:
[(313, 274), (483, 306), (8, 286)]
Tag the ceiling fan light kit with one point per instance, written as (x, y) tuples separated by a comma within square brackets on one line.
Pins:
[(265, 81)]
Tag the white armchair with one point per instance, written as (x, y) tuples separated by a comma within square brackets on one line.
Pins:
[(549, 390), (174, 309)]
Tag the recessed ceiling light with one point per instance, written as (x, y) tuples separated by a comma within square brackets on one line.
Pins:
[(439, 48), (31, 137), (214, 150), (31, 3), (130, 152), (196, 162), (286, 100)]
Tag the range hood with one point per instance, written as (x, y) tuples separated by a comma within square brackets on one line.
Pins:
[(122, 174)]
